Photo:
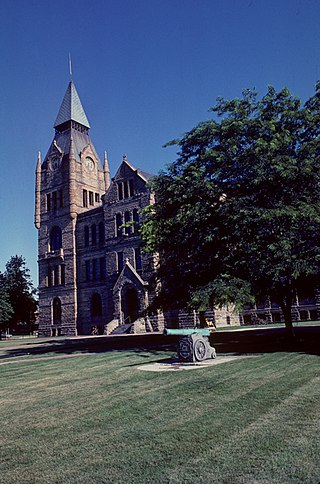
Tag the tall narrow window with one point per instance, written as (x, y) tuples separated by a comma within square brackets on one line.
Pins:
[(88, 272), (93, 234), (119, 261), (54, 200), (95, 270), (86, 236), (56, 276), (120, 191), (136, 219), (49, 276), (127, 220), (137, 259), (91, 198), (63, 275), (61, 198), (55, 239), (97, 197), (85, 198), (131, 189), (118, 225), (126, 190), (48, 202), (101, 233), (103, 272)]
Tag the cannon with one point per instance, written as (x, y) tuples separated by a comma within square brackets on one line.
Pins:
[(193, 344)]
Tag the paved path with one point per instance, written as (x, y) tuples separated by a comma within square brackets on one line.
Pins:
[(178, 366)]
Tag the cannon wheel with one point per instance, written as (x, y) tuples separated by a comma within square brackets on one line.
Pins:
[(200, 350)]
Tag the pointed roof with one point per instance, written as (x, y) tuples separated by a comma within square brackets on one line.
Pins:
[(71, 108)]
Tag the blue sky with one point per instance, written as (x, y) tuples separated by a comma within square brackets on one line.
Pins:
[(146, 72)]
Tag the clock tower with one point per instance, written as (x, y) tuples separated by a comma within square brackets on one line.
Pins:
[(70, 180)]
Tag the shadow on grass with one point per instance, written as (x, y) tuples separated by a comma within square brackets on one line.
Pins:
[(266, 340)]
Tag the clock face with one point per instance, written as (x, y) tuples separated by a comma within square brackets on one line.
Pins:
[(55, 163), (89, 163)]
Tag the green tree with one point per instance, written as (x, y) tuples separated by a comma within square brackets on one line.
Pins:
[(237, 215), (21, 292), (6, 310)]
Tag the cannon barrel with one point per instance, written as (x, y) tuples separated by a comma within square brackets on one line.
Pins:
[(187, 331)]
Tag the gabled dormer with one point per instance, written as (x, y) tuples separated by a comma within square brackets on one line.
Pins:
[(127, 183)]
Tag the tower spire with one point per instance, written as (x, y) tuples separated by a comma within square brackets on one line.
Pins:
[(71, 109), (106, 171)]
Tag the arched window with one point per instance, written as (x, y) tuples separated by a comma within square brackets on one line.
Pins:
[(55, 239), (93, 234), (96, 305), (86, 236), (101, 233), (56, 311)]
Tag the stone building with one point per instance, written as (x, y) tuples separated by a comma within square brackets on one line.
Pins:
[(91, 267), (93, 276)]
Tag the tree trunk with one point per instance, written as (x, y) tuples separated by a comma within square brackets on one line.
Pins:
[(202, 319), (286, 309)]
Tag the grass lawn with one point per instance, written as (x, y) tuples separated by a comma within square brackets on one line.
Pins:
[(99, 419)]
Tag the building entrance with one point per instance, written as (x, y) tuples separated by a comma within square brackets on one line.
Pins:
[(130, 304)]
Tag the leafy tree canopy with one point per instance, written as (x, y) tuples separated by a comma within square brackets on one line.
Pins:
[(237, 214), (18, 295), (6, 310)]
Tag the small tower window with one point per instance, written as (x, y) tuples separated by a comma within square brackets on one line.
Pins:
[(61, 198), (97, 197), (91, 202), (48, 202), (55, 239), (63, 275), (85, 198)]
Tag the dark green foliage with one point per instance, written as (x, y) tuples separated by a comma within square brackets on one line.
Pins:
[(238, 213), (20, 295), (6, 310)]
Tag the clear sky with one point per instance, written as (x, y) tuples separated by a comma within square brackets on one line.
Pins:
[(146, 72)]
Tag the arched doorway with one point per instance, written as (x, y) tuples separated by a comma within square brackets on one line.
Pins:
[(56, 311), (130, 304), (96, 313)]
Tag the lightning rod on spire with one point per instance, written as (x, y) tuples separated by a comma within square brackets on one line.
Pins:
[(70, 67)]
